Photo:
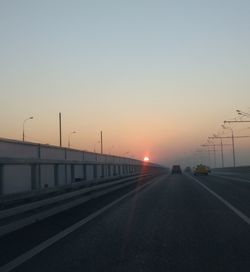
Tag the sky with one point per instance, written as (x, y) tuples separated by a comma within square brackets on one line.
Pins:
[(156, 76)]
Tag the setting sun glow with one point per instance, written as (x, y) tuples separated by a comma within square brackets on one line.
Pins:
[(146, 159)]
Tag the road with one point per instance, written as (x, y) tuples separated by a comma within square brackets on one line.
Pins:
[(178, 223)]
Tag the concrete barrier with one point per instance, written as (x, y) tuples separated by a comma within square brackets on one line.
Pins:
[(238, 169), (28, 166)]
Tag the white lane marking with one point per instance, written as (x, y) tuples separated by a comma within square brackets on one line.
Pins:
[(37, 249), (226, 203), (232, 178)]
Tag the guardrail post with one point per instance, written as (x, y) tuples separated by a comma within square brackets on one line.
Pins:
[(1, 179)]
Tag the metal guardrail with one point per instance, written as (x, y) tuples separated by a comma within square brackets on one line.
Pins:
[(18, 217)]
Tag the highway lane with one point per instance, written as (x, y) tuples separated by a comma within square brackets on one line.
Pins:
[(18, 242), (235, 190), (172, 225)]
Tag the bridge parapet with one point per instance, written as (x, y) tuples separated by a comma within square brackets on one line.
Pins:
[(27, 166)]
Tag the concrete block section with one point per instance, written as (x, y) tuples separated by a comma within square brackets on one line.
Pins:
[(98, 171), (51, 153), (68, 174), (61, 174), (79, 173), (90, 156), (16, 179), (47, 176), (89, 172), (74, 155), (18, 150), (101, 158)]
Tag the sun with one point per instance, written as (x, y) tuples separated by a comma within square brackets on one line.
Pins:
[(146, 159)]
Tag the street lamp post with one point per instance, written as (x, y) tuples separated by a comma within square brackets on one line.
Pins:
[(214, 151), (60, 129), (232, 143), (222, 155), (242, 113), (210, 143), (221, 149), (73, 132), (24, 124)]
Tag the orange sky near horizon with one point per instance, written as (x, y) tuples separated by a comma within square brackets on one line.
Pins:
[(157, 84)]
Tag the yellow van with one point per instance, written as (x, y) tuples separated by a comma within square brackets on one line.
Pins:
[(200, 170)]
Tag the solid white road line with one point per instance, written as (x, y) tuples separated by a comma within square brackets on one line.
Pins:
[(36, 250), (225, 202), (231, 178)]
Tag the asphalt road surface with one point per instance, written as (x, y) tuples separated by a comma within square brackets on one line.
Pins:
[(179, 223)]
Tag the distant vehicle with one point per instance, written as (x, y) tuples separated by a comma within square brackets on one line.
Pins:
[(201, 170), (188, 169), (176, 169)]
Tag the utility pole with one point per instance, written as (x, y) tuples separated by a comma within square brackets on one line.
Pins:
[(221, 148), (60, 129), (233, 148), (101, 143), (235, 121), (222, 145), (222, 155), (214, 151)]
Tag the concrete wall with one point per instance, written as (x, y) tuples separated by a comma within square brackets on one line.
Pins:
[(12, 149), (47, 176), (51, 153), (60, 166), (16, 178)]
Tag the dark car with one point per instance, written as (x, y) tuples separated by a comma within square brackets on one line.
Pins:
[(188, 169), (176, 169)]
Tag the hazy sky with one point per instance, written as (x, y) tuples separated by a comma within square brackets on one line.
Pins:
[(158, 77)]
